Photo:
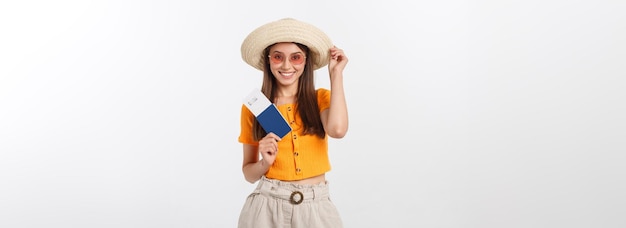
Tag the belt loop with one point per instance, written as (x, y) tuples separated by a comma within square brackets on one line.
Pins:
[(314, 190), (265, 185)]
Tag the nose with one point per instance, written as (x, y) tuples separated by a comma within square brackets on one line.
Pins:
[(286, 64)]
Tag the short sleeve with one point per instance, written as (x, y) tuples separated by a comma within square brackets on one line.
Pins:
[(246, 134), (323, 99)]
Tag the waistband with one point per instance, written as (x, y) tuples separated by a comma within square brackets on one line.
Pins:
[(294, 193)]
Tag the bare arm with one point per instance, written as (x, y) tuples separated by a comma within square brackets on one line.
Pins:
[(335, 118), (253, 168)]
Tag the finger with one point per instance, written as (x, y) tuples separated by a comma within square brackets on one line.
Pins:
[(273, 136), (270, 150), (270, 146), (337, 55)]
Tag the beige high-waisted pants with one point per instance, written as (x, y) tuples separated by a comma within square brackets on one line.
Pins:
[(278, 204)]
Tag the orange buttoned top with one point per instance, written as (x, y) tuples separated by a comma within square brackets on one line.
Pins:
[(299, 156)]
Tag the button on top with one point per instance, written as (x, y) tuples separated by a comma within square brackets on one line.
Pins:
[(295, 154), (298, 170), (289, 108)]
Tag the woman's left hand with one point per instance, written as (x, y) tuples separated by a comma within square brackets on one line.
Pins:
[(338, 60)]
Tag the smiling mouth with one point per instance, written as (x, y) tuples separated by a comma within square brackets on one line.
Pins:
[(285, 74)]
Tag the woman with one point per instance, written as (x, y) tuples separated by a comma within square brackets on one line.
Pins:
[(292, 189)]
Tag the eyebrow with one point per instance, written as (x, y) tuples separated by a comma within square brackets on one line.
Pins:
[(289, 54)]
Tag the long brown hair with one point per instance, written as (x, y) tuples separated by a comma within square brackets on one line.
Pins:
[(306, 98)]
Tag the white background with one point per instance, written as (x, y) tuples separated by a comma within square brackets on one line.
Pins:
[(462, 113)]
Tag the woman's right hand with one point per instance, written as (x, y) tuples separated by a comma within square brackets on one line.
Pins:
[(268, 148)]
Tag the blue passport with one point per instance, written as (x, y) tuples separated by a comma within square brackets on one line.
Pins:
[(267, 113)]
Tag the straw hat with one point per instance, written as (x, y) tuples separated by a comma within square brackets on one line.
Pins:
[(286, 30)]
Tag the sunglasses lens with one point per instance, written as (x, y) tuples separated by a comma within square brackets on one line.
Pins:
[(278, 58), (296, 59)]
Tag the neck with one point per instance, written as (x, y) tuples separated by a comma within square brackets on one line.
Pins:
[(287, 92), (286, 96)]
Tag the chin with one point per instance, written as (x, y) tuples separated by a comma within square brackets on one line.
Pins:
[(287, 83)]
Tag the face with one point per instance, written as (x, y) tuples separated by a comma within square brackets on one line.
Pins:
[(287, 63)]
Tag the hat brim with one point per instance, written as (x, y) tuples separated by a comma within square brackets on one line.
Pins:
[(286, 30)]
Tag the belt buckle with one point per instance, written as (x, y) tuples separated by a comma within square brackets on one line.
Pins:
[(294, 201)]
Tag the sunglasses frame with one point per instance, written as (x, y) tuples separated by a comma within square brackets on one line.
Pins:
[(289, 58)]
